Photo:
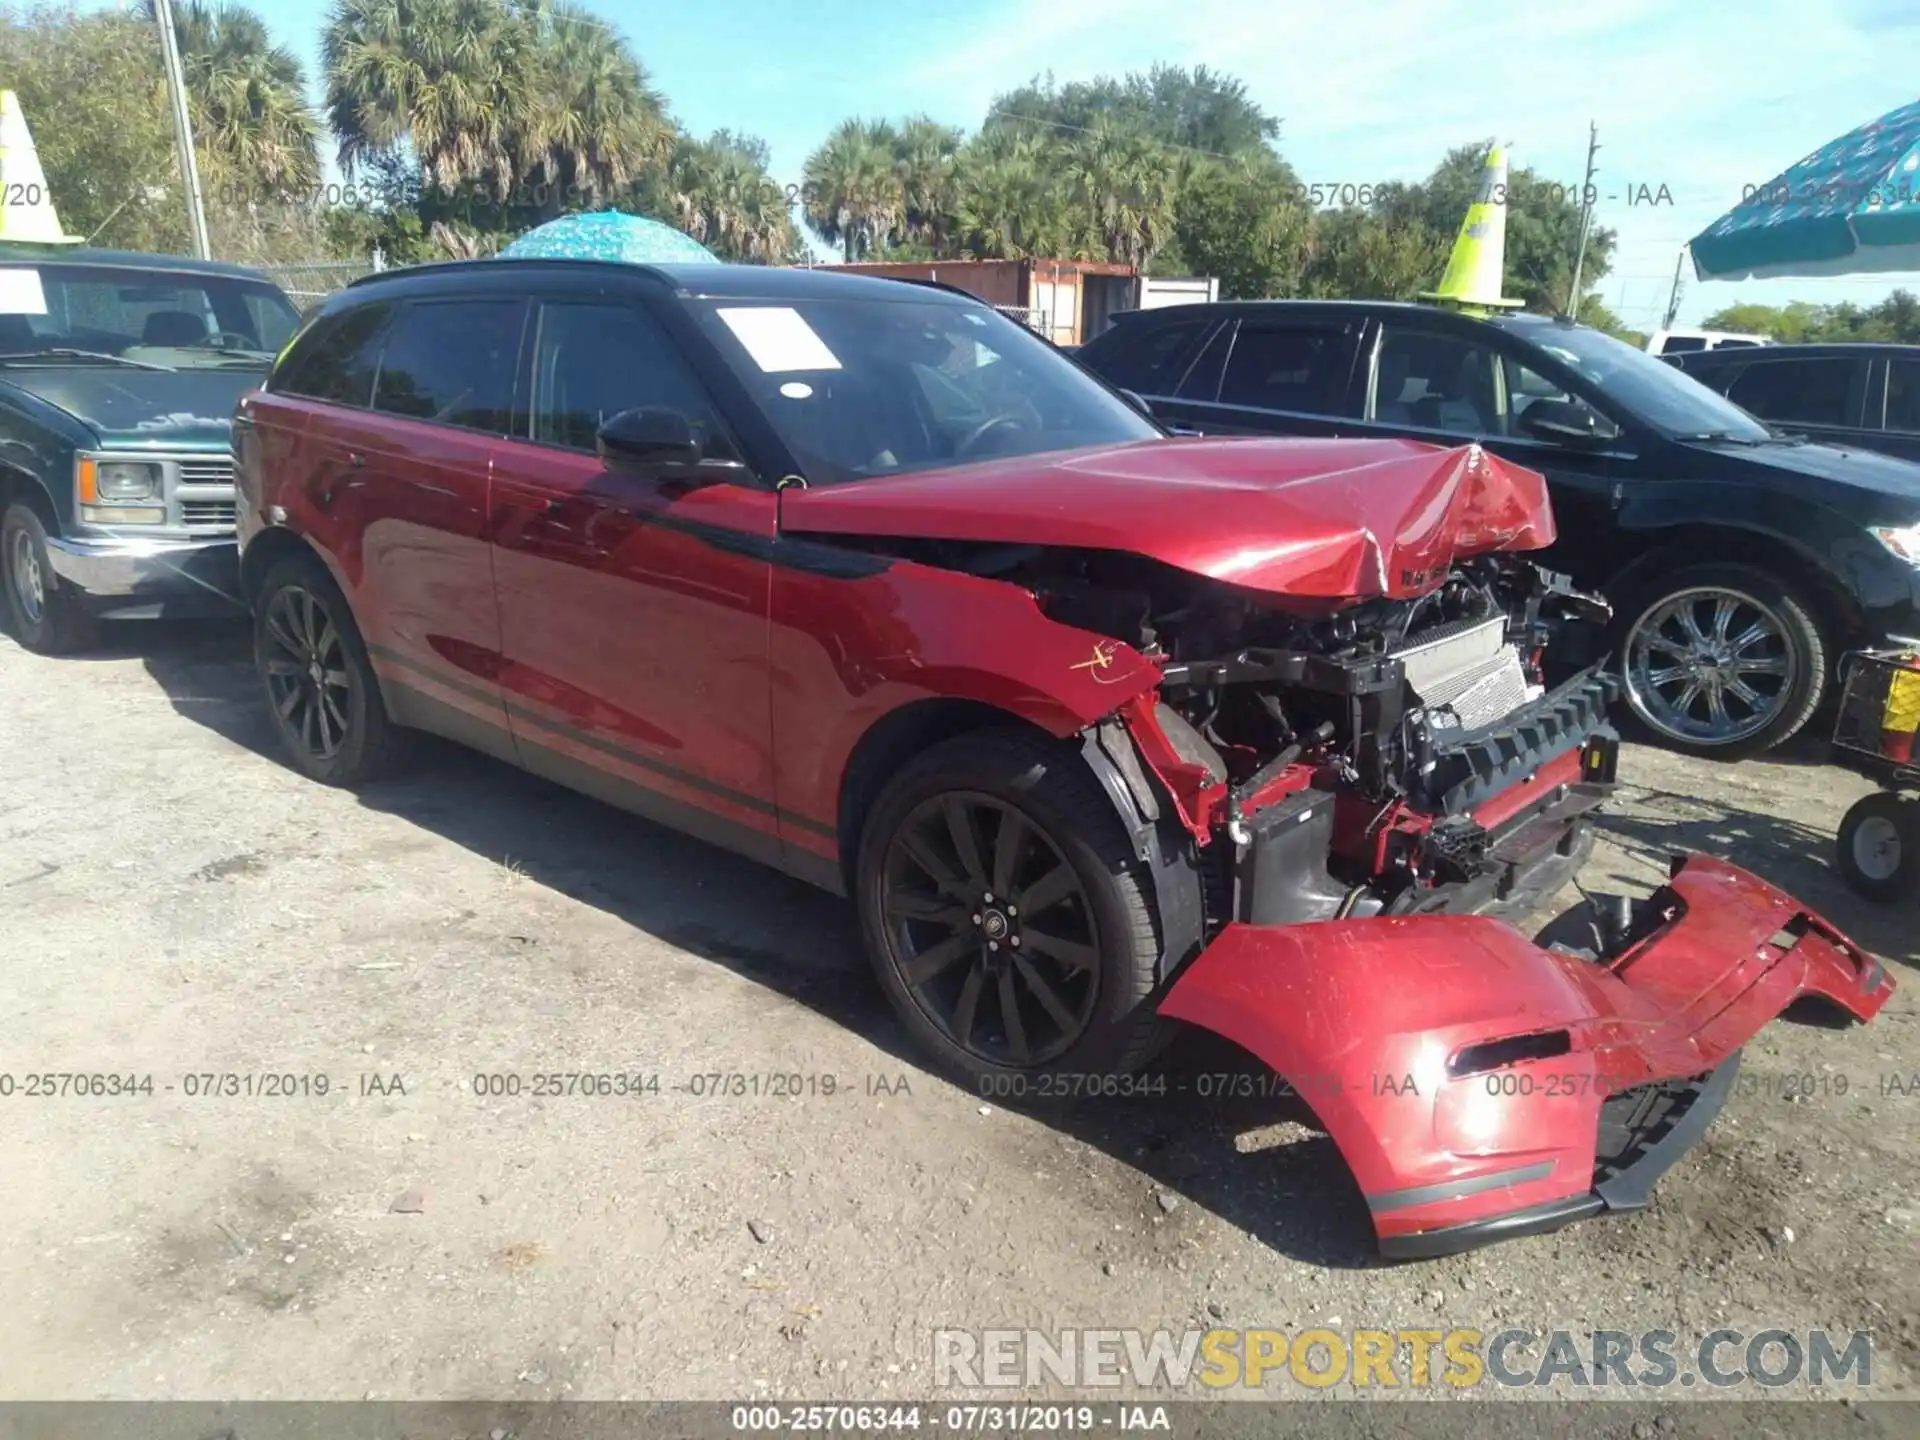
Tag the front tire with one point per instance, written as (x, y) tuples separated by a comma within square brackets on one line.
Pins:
[(321, 690), (1722, 661), (48, 618), (1879, 847), (1006, 917)]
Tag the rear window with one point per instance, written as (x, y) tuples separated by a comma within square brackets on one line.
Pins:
[(1805, 391), (1144, 358), (452, 362)]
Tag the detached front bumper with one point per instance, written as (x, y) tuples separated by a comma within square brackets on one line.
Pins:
[(1481, 1087), (124, 575)]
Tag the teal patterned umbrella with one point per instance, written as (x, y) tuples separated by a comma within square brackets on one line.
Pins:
[(1852, 206), (609, 235)]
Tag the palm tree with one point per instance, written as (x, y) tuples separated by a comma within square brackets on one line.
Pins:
[(1124, 183), (850, 190), (594, 122), (926, 155), (246, 97), (449, 79), (722, 196), (1008, 201)]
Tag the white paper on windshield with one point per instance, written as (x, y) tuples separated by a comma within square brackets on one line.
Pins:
[(779, 339), (20, 293)]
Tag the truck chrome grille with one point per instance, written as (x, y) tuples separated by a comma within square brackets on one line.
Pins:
[(207, 470), (198, 514)]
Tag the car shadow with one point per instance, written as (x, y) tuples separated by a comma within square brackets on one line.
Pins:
[(1207, 1126), (1793, 855)]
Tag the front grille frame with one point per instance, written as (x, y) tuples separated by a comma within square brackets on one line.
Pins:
[(196, 486)]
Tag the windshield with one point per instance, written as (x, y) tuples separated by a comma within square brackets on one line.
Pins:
[(162, 318), (1645, 386), (858, 388)]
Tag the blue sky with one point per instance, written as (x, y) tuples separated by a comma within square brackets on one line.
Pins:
[(1699, 96)]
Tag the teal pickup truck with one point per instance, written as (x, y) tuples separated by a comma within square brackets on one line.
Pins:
[(118, 378)]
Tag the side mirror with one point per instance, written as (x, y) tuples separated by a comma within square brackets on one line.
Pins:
[(647, 439), (1567, 422)]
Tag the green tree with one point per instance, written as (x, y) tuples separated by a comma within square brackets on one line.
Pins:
[(1200, 109), (719, 192), (450, 80), (1241, 221), (592, 123), (926, 157), (91, 87), (851, 189), (1894, 320), (1123, 184), (1362, 256), (1008, 203), (247, 100)]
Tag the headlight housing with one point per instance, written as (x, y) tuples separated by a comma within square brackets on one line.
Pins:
[(125, 482), (1903, 541), (120, 492)]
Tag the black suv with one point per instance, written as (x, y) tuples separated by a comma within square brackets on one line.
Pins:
[(118, 377), (1742, 563), (1860, 395)]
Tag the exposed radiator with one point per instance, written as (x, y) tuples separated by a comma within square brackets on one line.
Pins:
[(1467, 677)]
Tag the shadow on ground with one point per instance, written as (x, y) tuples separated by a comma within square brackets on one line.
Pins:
[(1797, 857), (1196, 1138)]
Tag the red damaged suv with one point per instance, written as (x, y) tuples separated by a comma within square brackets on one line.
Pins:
[(1096, 727)]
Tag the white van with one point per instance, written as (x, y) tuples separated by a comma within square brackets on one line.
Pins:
[(1676, 342)]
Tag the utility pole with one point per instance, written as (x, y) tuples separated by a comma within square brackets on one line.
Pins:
[(182, 129), (1673, 298), (1586, 220)]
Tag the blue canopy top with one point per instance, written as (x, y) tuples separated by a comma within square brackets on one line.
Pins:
[(609, 235), (1851, 206)]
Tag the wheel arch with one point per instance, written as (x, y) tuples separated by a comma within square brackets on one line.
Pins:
[(1704, 543), (891, 741), (1170, 866), (29, 489), (267, 549)]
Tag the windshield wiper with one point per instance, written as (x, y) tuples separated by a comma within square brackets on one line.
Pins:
[(28, 356)]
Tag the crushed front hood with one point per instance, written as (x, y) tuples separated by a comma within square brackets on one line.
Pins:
[(1320, 520)]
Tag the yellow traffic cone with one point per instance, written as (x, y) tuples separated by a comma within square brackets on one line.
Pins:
[(26, 205), (1472, 281)]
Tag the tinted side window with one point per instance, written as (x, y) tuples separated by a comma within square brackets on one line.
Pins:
[(1287, 367), (1681, 344), (1812, 392), (1903, 395), (453, 362), (594, 360), (1146, 359), (336, 359), (1436, 382)]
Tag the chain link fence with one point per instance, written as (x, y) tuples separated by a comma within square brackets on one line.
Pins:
[(308, 282)]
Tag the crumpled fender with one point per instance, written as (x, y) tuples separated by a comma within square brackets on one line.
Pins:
[(1461, 1069)]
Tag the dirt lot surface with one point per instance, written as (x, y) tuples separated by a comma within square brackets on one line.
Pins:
[(175, 902)]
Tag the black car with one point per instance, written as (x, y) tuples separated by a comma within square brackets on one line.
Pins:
[(1742, 563), (118, 377), (1849, 395)]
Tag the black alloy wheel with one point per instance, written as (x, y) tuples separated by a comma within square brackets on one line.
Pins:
[(308, 683), (991, 930)]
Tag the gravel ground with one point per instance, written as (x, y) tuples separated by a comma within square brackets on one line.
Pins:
[(174, 901)]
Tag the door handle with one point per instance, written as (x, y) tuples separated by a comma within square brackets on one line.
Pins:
[(356, 459)]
